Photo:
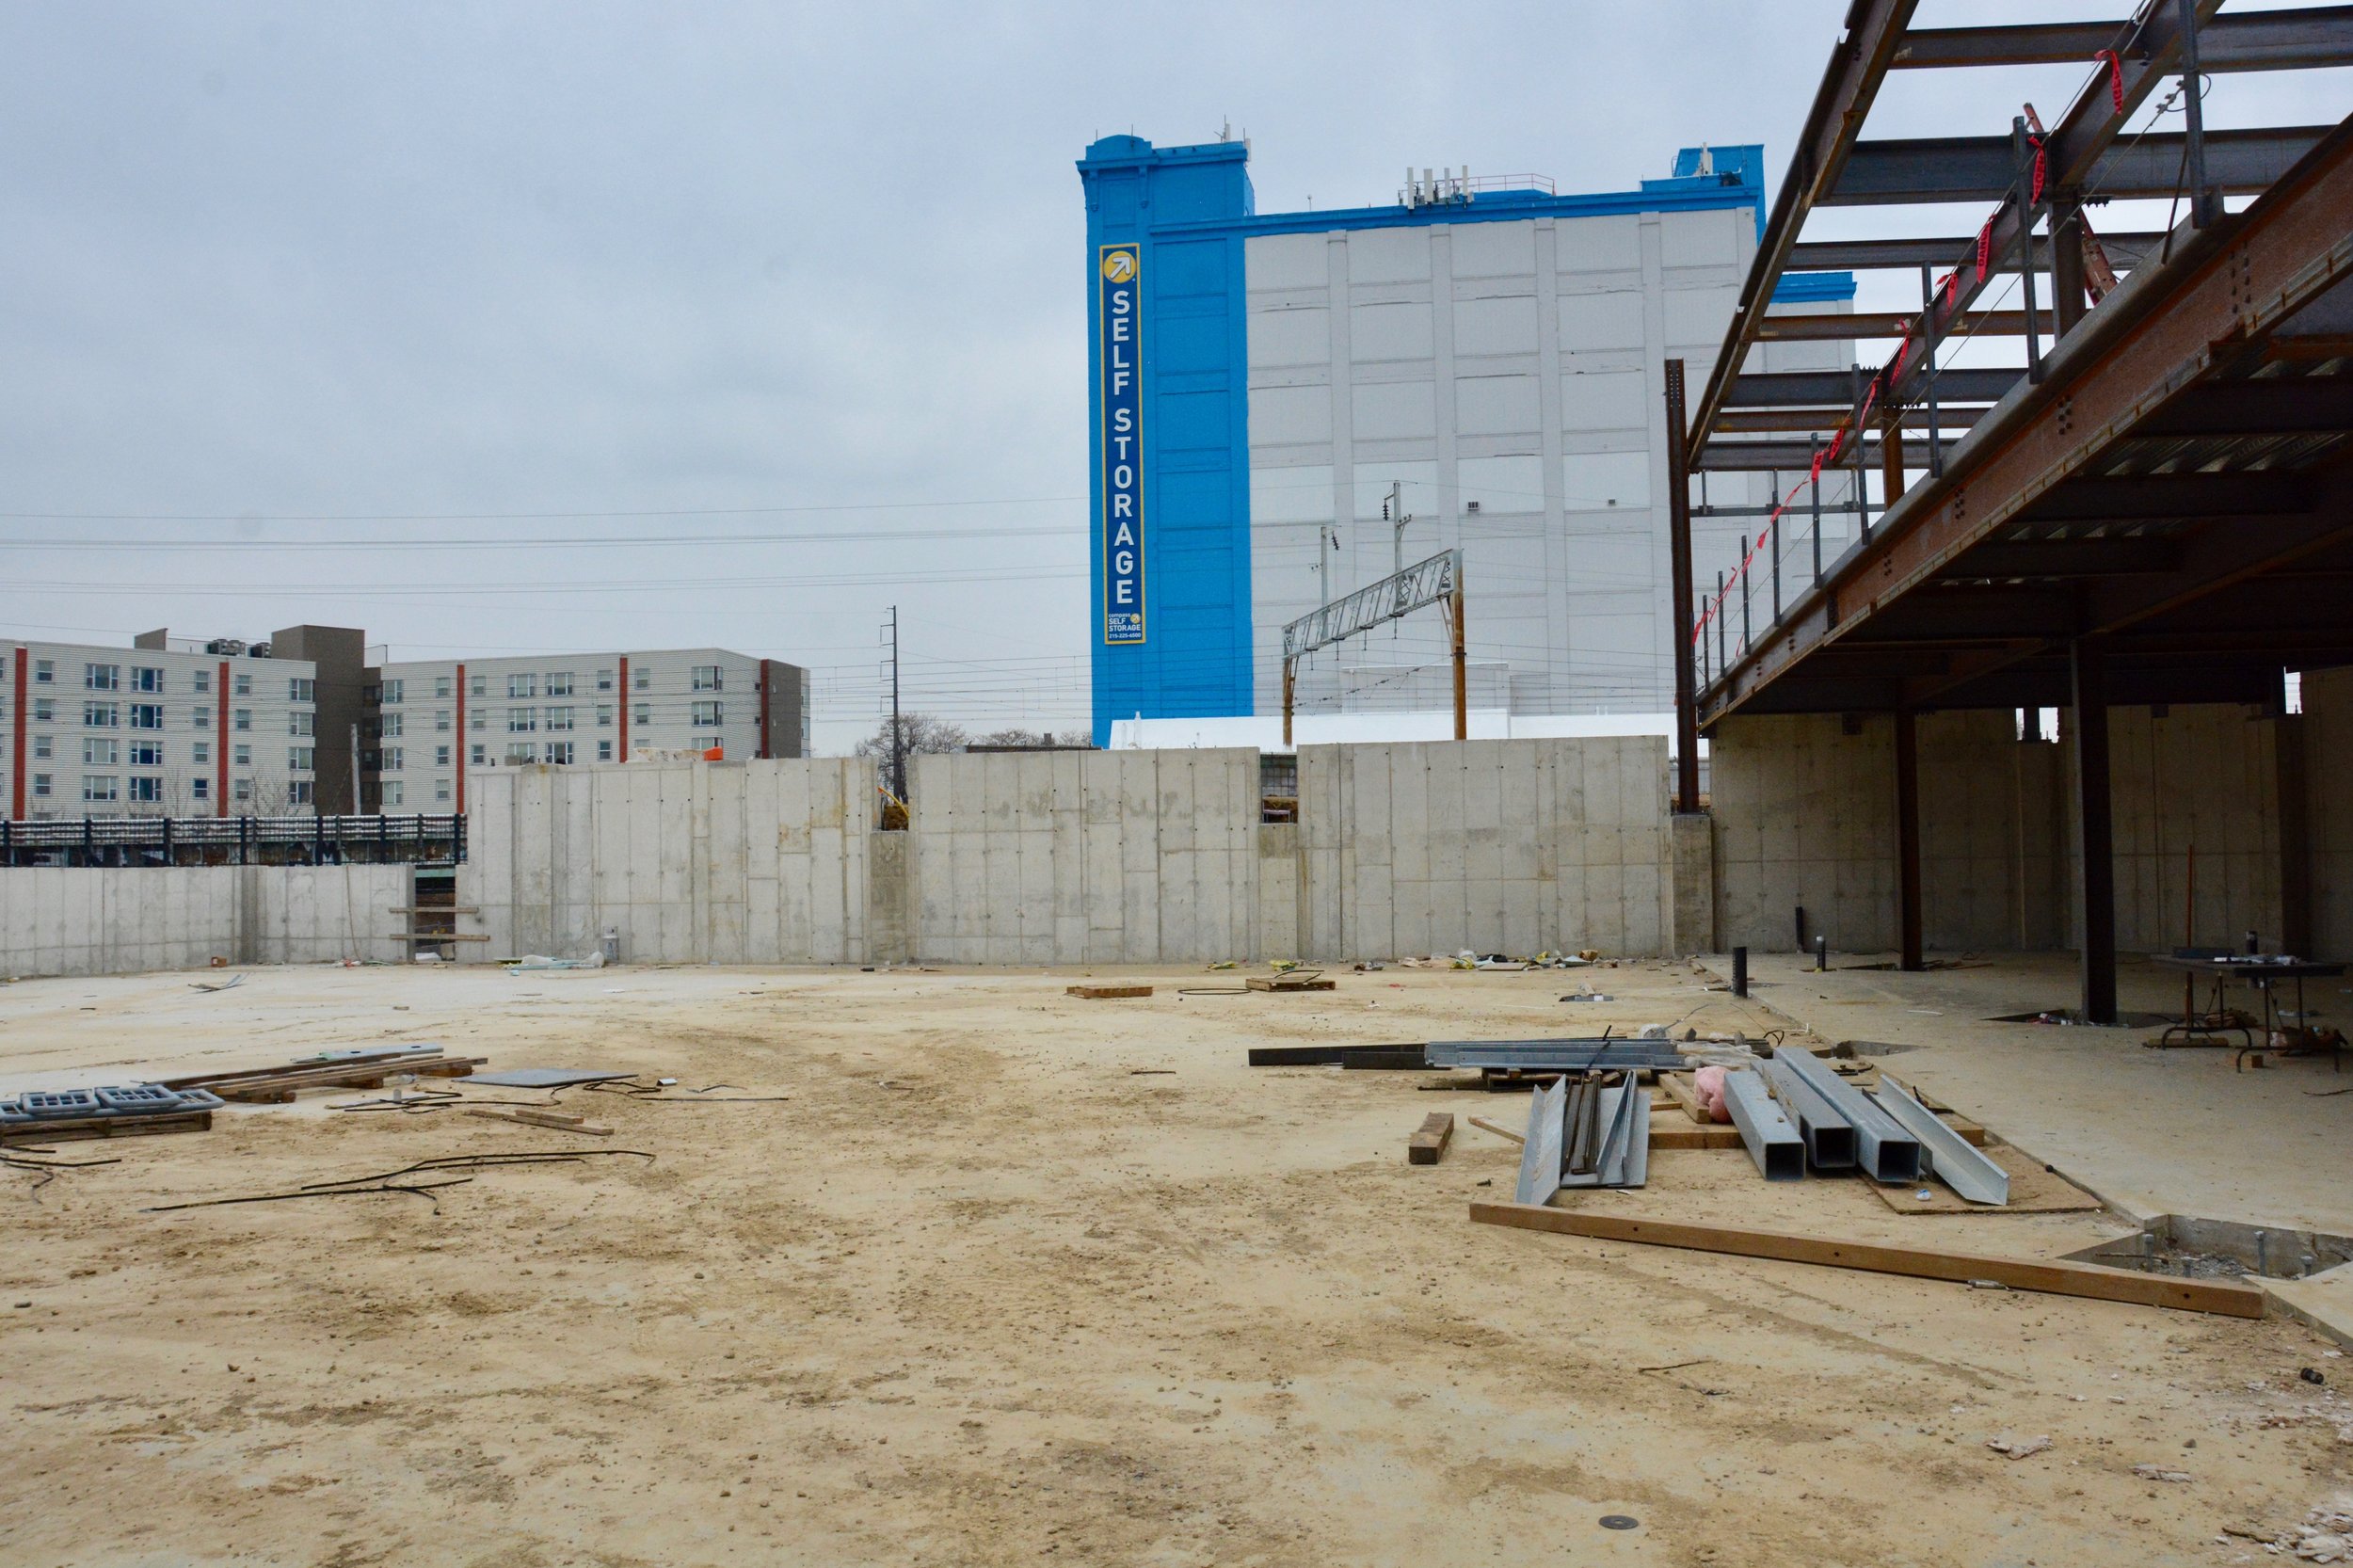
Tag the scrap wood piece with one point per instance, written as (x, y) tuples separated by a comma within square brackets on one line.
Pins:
[(281, 1088), (1679, 1089), (66, 1129), (376, 1059), (2049, 1276), (1106, 993), (1486, 1126), (555, 1120), (2033, 1189), (1426, 1145), (1302, 982)]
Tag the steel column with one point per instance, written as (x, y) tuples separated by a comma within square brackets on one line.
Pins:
[(1907, 841), (2095, 907), (1679, 557)]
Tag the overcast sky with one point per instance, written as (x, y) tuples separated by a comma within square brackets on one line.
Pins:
[(804, 283)]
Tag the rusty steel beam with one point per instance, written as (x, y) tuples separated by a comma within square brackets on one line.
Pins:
[(2245, 41), (2165, 328), (1834, 388), (1873, 31), (1983, 169), (1825, 326), (1952, 422), (2124, 250)]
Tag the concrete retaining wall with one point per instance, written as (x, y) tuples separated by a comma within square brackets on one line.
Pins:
[(1498, 846), (729, 863), (2327, 755), (61, 921)]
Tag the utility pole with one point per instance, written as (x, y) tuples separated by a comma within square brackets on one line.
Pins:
[(898, 733), (1328, 544), (1393, 512), (355, 769)]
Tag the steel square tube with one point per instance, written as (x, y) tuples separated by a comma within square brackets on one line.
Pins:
[(1884, 1148), (1772, 1140), (1829, 1137), (1955, 1162), (1569, 1055)]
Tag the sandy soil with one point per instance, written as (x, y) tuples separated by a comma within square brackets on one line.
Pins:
[(983, 1292)]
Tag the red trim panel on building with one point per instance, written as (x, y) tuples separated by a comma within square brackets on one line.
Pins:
[(16, 758), (624, 709), (220, 746), (459, 751)]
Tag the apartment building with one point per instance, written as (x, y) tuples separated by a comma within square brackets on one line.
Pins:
[(168, 727), (427, 723)]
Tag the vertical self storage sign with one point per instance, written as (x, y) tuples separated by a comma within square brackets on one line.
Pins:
[(1121, 324)]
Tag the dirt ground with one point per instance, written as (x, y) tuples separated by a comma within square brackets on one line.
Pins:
[(1013, 1277)]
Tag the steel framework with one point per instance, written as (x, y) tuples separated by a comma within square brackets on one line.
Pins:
[(2153, 505)]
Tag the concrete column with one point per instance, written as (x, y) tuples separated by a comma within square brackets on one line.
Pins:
[(1907, 942), (1691, 900), (2094, 833)]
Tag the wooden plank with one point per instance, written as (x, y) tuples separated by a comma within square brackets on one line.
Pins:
[(2033, 1189), (554, 1120), (1400, 1057), (196, 1080), (1679, 1089), (70, 1130), (436, 937), (1427, 1147), (275, 1089), (1674, 1136), (433, 909), (1106, 993), (1287, 983), (2051, 1277)]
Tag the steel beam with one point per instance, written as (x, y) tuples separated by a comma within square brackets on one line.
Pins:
[(2114, 555), (1872, 32), (1829, 326), (2124, 250), (1680, 594), (1883, 1148), (1834, 388), (1908, 940), (1926, 169), (1951, 1157), (1765, 1129), (1540, 1152), (2245, 41), (2095, 842), (1952, 423), (1553, 1056)]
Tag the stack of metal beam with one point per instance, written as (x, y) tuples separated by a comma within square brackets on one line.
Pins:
[(1823, 1120), (1585, 1130)]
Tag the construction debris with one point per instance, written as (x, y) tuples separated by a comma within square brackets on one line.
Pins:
[(555, 1120), (1426, 1145), (1586, 1129), (389, 1181), (2017, 1448), (1106, 993)]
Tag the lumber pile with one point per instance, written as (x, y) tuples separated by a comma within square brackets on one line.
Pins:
[(368, 1070)]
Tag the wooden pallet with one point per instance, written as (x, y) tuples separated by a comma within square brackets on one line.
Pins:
[(69, 1129)]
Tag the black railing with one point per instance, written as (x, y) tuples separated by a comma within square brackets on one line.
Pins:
[(231, 840)]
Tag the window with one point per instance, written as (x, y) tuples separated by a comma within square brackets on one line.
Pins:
[(706, 677), (560, 683), (522, 685), (440, 720), (301, 688), (201, 718), (103, 678), (298, 792), (243, 755), (481, 685), (645, 715), (707, 715), (388, 761), (101, 715), (243, 790), (520, 751), (242, 719), (147, 754), (98, 787), (441, 686), (200, 788), (302, 723), (441, 757), (146, 715), (42, 786), (145, 679), (243, 684), (201, 752), (42, 746), (299, 758), (560, 752), (146, 789), (521, 721), (44, 672), (201, 681), (393, 691), (392, 725), (441, 790), (605, 681), (481, 720), (604, 715), (559, 718), (604, 751), (45, 708), (643, 678), (480, 754), (393, 793), (100, 751)]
